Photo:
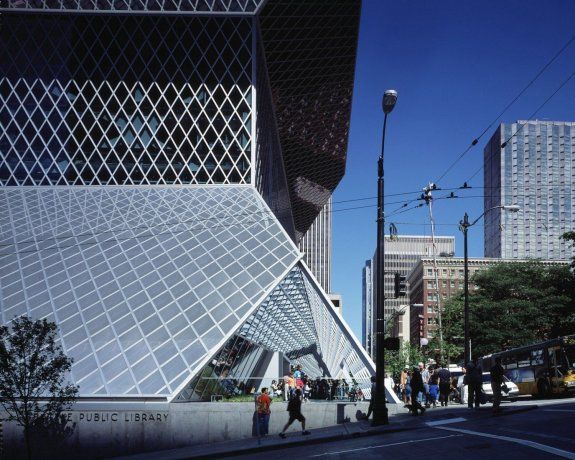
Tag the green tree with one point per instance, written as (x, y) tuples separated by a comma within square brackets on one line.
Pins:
[(407, 355), (33, 368), (570, 236), (514, 304)]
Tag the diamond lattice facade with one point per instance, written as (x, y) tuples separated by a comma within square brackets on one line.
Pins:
[(157, 172)]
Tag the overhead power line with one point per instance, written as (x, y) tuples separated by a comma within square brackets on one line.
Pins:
[(513, 100), (522, 125)]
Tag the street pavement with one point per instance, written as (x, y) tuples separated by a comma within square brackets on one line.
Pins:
[(547, 431), (526, 429)]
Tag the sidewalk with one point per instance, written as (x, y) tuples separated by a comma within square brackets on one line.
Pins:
[(399, 422)]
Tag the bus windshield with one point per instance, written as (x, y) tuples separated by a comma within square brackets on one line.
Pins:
[(570, 355)]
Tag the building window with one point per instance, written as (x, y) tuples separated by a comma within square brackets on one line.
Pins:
[(430, 272), (452, 283)]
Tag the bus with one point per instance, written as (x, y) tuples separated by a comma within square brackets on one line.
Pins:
[(542, 369)]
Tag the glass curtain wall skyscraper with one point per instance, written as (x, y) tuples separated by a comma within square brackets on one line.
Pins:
[(535, 170), (159, 164), (316, 246)]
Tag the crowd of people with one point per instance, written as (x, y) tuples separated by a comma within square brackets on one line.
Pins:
[(423, 387), (318, 388), (420, 388)]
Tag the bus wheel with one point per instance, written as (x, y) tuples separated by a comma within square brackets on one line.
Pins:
[(543, 388)]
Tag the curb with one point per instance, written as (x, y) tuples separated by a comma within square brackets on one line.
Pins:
[(308, 441), (343, 436)]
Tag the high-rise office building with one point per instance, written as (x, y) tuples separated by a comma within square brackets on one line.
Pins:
[(530, 164), (367, 307), (316, 247), (160, 162), (402, 253)]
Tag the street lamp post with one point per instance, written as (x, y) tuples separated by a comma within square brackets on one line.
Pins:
[(464, 227), (380, 410)]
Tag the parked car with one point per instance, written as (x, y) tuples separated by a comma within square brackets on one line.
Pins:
[(511, 395)]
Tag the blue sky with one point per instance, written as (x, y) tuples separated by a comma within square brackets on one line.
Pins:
[(455, 65)]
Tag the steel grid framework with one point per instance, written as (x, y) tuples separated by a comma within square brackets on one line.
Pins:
[(138, 6), (297, 320), (167, 102), (148, 283)]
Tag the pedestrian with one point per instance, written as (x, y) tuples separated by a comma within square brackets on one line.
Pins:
[(434, 386), (274, 389), (372, 400), (286, 380), (403, 383), (408, 388), (474, 380), (306, 391), (417, 389), (294, 409), (291, 385), (497, 372), (263, 402), (444, 384), (424, 396)]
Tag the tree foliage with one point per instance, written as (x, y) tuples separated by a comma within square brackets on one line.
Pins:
[(570, 237), (33, 369), (407, 355), (513, 304)]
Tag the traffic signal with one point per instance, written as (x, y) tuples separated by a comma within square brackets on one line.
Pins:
[(391, 343), (400, 285)]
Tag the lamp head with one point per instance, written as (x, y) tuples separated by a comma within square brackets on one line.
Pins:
[(511, 208), (389, 100)]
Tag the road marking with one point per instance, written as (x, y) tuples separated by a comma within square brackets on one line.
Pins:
[(540, 435), (387, 445), (446, 421), (535, 445)]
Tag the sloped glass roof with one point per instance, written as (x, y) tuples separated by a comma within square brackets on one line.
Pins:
[(144, 282), (296, 319)]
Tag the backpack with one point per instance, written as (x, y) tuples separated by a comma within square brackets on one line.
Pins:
[(292, 404)]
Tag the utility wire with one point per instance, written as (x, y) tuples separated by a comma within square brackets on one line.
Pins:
[(522, 125), (402, 209), (172, 223), (500, 114)]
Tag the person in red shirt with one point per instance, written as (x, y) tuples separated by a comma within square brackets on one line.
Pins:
[(263, 402)]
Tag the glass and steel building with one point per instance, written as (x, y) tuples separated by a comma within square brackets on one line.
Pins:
[(367, 307), (316, 247), (402, 253), (159, 164), (530, 164)]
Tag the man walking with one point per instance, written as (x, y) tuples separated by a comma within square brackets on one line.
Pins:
[(444, 384), (497, 373), (372, 400), (473, 379), (425, 377), (263, 402), (416, 388), (294, 409)]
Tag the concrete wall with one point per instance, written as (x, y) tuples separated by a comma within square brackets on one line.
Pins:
[(107, 429)]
